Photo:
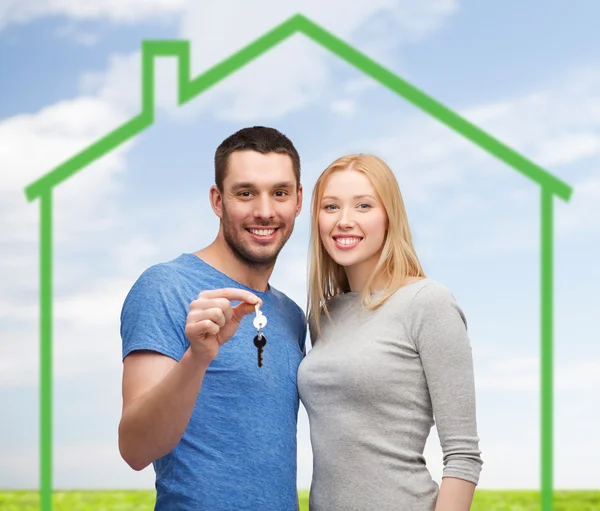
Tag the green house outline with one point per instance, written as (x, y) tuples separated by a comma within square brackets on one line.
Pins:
[(188, 89)]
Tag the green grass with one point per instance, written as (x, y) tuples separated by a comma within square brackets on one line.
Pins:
[(143, 500)]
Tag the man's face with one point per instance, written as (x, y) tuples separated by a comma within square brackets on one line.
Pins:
[(259, 205)]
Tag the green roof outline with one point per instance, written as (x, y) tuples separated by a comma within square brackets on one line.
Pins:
[(189, 89)]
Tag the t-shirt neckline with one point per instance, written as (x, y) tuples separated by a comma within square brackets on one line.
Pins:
[(201, 262)]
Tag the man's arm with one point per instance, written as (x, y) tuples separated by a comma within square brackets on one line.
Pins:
[(159, 393), (158, 399)]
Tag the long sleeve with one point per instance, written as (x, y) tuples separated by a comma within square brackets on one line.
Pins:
[(439, 330)]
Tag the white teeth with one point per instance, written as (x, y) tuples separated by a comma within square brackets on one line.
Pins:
[(348, 241), (262, 232)]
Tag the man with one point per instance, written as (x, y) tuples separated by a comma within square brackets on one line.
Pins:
[(220, 430)]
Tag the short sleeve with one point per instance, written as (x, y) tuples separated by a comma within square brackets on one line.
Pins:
[(439, 330), (153, 315)]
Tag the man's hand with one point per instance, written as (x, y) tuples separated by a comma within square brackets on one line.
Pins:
[(212, 320)]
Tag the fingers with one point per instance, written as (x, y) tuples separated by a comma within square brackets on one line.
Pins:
[(241, 310), (217, 315), (220, 298), (214, 306), (196, 330), (206, 317), (231, 294)]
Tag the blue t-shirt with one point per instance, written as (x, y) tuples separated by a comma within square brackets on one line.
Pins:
[(239, 449)]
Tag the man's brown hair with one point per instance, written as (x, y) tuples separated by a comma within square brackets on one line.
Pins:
[(256, 138)]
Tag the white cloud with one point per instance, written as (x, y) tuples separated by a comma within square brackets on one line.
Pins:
[(566, 148), (522, 374), (355, 86), (421, 165), (344, 107), (399, 23), (85, 335), (554, 127), (73, 33), (203, 22), (582, 214), (419, 19), (86, 320), (283, 80), (121, 84), (290, 76), (32, 145), (412, 20), (19, 358), (81, 466), (50, 137), (17, 11)]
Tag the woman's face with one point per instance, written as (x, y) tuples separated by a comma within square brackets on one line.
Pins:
[(352, 223)]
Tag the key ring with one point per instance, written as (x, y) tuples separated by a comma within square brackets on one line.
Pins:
[(260, 321)]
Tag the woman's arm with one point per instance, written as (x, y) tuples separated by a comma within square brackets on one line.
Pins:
[(455, 495), (440, 334)]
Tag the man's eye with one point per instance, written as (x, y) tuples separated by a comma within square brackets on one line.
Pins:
[(281, 193)]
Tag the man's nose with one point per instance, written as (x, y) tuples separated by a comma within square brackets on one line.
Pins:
[(264, 208)]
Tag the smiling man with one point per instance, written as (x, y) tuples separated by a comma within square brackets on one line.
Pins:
[(218, 427)]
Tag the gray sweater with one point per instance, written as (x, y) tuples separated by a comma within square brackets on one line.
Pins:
[(372, 385)]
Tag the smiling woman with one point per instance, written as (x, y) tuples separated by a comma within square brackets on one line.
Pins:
[(377, 374), (352, 223), (361, 239)]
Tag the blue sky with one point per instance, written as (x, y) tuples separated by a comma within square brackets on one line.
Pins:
[(528, 73)]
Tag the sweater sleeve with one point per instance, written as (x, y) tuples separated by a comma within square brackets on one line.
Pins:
[(439, 330)]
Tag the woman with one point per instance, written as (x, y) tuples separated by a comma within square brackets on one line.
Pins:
[(389, 353)]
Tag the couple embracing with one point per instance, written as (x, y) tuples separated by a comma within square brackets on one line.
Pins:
[(390, 355)]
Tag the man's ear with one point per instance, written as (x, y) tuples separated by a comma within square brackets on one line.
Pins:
[(299, 206), (216, 201)]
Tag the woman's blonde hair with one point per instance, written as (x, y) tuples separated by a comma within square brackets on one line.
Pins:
[(398, 260)]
